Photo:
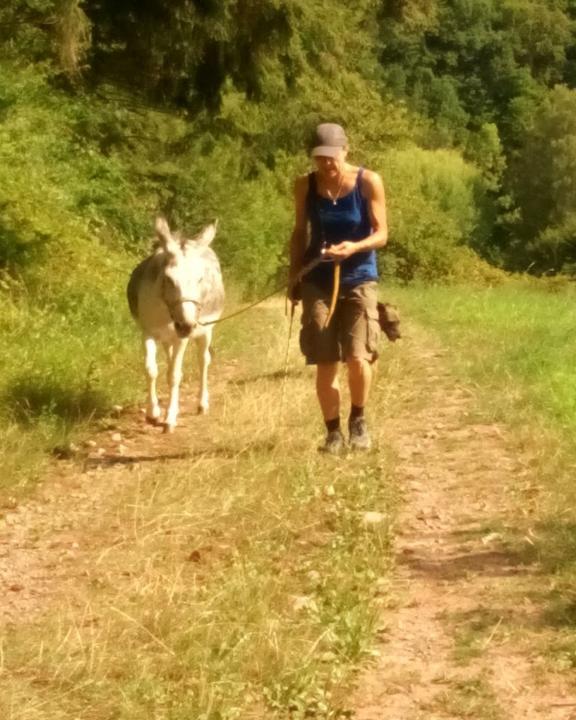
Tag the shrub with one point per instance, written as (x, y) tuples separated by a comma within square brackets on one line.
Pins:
[(439, 208)]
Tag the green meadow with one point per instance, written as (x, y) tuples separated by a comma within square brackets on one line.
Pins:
[(516, 341)]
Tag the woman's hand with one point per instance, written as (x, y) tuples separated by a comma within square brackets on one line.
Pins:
[(342, 250)]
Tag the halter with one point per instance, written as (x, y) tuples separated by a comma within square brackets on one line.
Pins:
[(181, 301)]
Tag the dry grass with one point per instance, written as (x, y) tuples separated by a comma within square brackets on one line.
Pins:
[(238, 582)]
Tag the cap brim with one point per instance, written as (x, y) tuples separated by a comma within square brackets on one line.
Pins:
[(326, 151)]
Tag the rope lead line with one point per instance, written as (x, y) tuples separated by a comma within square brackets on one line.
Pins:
[(239, 312), (305, 270), (335, 291)]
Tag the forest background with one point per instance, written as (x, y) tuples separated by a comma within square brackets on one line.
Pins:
[(112, 111)]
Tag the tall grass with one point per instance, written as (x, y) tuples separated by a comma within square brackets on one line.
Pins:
[(517, 340), (66, 365)]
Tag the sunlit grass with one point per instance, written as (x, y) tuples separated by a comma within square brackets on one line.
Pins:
[(63, 368), (516, 340)]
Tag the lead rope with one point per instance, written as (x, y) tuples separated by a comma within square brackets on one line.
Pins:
[(239, 312), (286, 356), (335, 291), (305, 270), (336, 275)]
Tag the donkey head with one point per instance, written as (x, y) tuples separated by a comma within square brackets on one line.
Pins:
[(183, 274)]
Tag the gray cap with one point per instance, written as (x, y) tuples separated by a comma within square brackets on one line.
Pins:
[(329, 139)]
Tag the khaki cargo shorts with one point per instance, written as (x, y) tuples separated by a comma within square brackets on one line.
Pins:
[(353, 332)]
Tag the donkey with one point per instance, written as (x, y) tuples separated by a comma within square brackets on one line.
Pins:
[(171, 294)]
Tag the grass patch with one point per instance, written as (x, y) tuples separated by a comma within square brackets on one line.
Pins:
[(63, 368), (475, 630), (517, 341), (471, 698)]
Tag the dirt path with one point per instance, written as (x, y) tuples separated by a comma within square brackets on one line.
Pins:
[(49, 544), (466, 634)]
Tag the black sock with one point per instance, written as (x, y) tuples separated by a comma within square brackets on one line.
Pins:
[(332, 425), (356, 412)]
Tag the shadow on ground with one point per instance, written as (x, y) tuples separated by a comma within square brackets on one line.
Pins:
[(274, 375), (488, 563), (32, 398), (111, 460)]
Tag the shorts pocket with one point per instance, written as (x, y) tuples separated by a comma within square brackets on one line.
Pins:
[(307, 336), (373, 332)]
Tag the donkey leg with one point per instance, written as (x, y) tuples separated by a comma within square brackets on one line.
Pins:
[(204, 358), (152, 407), (168, 349), (174, 379)]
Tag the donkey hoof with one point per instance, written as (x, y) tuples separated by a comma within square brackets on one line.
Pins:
[(202, 410), (168, 429), (152, 420)]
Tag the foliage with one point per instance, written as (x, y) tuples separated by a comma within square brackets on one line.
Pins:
[(52, 209), (253, 78), (464, 63), (544, 180), (439, 207), (186, 52), (480, 72), (25, 29)]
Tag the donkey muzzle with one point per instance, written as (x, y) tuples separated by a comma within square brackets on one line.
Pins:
[(183, 329)]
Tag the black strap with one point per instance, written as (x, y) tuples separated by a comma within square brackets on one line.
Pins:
[(312, 183), (314, 205), (312, 197)]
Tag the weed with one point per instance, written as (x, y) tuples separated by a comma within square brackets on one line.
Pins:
[(472, 698)]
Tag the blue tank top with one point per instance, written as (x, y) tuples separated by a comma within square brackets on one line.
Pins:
[(330, 224)]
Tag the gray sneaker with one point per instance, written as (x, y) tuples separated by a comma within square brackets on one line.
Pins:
[(333, 444), (359, 437)]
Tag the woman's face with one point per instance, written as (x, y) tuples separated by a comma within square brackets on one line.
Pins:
[(330, 167)]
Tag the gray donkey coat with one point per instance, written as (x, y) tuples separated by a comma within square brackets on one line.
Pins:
[(171, 294)]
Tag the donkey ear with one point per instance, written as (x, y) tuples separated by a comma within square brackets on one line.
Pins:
[(208, 234), (167, 242)]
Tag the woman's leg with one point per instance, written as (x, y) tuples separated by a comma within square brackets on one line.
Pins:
[(360, 349), (328, 390), (321, 347), (359, 380)]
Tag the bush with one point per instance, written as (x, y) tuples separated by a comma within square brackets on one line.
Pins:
[(438, 208)]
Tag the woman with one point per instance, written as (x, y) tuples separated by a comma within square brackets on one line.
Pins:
[(340, 221)]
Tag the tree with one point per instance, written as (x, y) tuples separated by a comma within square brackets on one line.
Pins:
[(464, 63), (543, 177)]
